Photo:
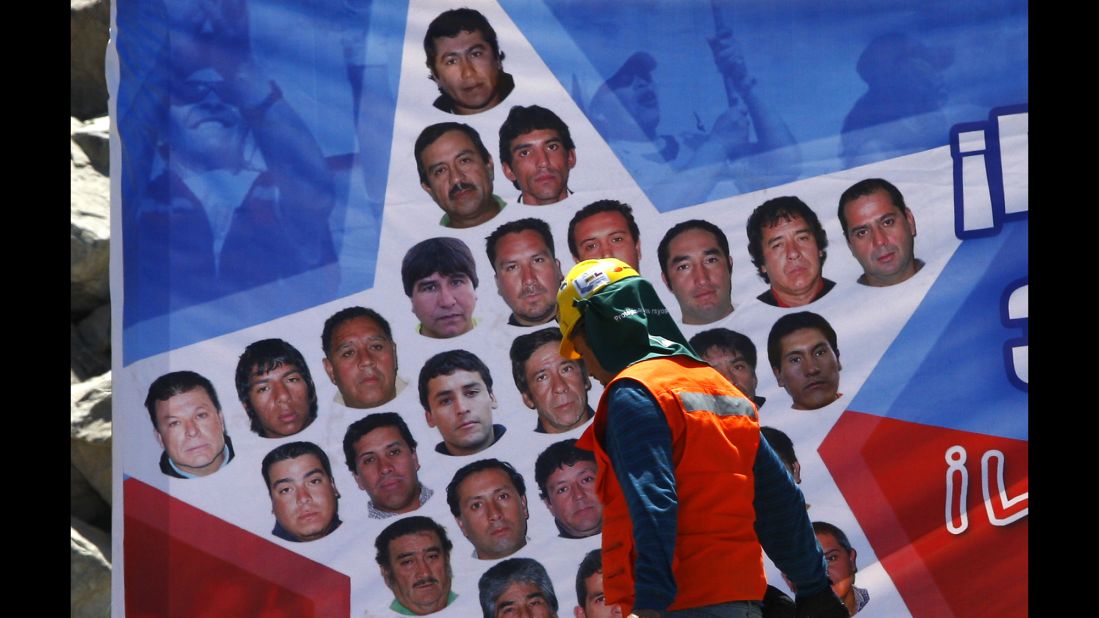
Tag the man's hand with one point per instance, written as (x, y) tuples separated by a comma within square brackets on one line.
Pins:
[(824, 604), (728, 58), (731, 130), (646, 613)]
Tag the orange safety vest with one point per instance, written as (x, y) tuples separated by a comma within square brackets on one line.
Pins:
[(715, 435)]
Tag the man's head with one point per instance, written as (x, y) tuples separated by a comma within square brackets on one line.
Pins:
[(456, 393), (555, 387), (303, 493), (381, 454), (590, 602), (696, 266), (840, 557), (187, 421), (536, 154), (565, 476), (905, 72), (414, 558), (787, 244), (456, 171), (440, 277), (629, 90), (465, 60), (805, 357), (784, 448), (276, 389), (517, 587), (206, 131), (360, 357), (732, 354), (880, 231), (488, 498), (605, 228), (612, 317), (527, 270)]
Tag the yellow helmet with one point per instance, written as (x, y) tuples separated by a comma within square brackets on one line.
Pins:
[(583, 281)]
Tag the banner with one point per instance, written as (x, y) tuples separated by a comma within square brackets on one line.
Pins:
[(339, 227)]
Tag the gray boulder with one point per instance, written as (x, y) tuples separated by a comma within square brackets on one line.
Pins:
[(90, 432), (89, 571), (94, 138), (89, 238), (89, 26), (86, 360)]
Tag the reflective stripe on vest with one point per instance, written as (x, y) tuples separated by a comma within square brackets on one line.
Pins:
[(722, 405)]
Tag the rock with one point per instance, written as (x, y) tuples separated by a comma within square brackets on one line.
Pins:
[(90, 432), (95, 331), (85, 503), (89, 238), (84, 362), (94, 138), (76, 152), (89, 25), (89, 571)]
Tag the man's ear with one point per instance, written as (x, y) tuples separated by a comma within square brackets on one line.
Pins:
[(527, 401), (508, 171), (329, 369)]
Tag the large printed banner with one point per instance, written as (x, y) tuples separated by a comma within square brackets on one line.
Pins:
[(339, 229)]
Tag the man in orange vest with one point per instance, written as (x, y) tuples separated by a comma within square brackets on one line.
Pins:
[(691, 492)]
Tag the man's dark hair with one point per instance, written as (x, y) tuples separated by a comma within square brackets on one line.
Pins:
[(498, 578), (176, 383), (265, 356), (291, 450), (823, 527), (557, 455), (346, 315), (519, 225), (369, 423), (444, 255), (797, 321), (405, 526), (479, 466), (590, 565), (524, 346), (770, 213), (522, 120), (725, 339), (430, 134), (595, 208), (866, 187), (446, 363), (679, 228), (781, 444), (452, 23)]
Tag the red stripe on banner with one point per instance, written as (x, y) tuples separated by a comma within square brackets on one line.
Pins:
[(181, 561), (895, 476)]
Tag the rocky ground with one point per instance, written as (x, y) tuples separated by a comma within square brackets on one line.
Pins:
[(90, 314)]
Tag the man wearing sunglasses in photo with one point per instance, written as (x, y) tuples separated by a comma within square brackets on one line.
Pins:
[(239, 193)]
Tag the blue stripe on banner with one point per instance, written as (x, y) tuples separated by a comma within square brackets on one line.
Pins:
[(804, 89), (947, 367)]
